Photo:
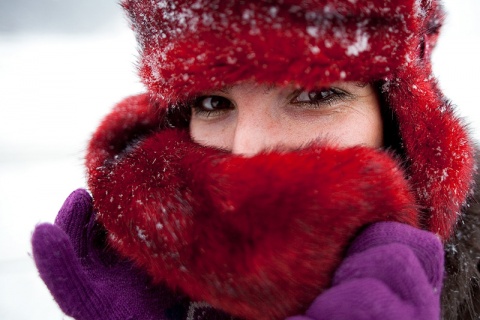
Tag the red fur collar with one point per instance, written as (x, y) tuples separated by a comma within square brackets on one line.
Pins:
[(257, 237)]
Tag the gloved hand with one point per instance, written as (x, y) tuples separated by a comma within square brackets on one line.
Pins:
[(86, 278), (392, 271)]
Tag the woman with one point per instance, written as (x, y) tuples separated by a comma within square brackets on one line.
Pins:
[(283, 164)]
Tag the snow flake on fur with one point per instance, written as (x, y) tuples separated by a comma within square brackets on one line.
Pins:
[(187, 48), (198, 217)]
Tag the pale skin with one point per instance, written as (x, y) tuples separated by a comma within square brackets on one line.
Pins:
[(249, 118)]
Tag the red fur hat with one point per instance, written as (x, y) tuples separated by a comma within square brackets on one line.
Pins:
[(187, 47), (260, 237)]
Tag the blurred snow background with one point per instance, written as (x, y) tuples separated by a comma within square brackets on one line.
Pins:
[(63, 65)]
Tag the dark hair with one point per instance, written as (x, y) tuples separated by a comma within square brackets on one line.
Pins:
[(461, 288), (391, 129), (178, 116)]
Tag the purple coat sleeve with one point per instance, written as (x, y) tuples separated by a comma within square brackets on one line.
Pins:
[(392, 271)]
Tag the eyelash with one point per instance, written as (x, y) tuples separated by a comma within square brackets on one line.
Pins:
[(201, 111), (335, 95)]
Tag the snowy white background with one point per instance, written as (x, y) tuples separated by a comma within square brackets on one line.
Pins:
[(63, 64)]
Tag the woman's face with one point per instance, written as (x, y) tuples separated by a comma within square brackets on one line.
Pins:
[(249, 118)]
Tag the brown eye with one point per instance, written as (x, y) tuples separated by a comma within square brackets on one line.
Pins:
[(315, 96), (213, 103), (211, 106)]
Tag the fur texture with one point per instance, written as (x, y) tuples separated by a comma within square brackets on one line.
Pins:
[(187, 48), (461, 290), (232, 230), (246, 233), (191, 47)]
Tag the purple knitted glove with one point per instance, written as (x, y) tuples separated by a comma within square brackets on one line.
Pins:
[(88, 281), (392, 272)]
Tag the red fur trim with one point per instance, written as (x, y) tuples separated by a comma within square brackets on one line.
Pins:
[(190, 47), (130, 120), (440, 154), (257, 237)]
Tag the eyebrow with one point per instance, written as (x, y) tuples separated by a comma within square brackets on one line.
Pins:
[(226, 89), (269, 88), (361, 84)]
